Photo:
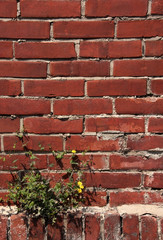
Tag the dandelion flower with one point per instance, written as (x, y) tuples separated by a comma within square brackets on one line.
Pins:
[(74, 151)]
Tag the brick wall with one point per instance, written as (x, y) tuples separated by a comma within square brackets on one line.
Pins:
[(86, 75)]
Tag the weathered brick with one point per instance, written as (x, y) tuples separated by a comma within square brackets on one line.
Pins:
[(19, 162), (157, 7), (98, 8), (37, 229), (21, 106), (143, 143), (80, 68), (131, 227), (4, 179), (123, 49), (130, 68), (154, 181), (82, 106), (9, 125), (139, 106), (112, 180), (18, 227), (6, 48), (53, 88), (132, 125), (92, 226), (149, 228), (121, 198), (154, 48), (24, 30), (74, 226), (23, 69), (116, 87), (50, 125), (140, 28), (91, 143), (50, 8), (56, 231), (155, 125), (95, 198), (33, 143), (111, 226), (157, 86), (83, 29), (10, 87), (95, 161), (8, 8), (120, 162), (3, 227), (45, 50), (114, 49)]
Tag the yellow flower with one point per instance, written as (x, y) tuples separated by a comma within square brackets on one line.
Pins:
[(80, 184), (73, 151), (79, 190)]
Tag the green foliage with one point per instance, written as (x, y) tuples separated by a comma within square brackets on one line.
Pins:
[(32, 193)]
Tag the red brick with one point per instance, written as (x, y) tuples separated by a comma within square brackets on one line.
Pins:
[(111, 226), (23, 69), (154, 181), (5, 178), (23, 106), (154, 48), (18, 227), (155, 125), (157, 86), (112, 180), (157, 7), (8, 8), (54, 88), (120, 162), (56, 231), (50, 8), (37, 230), (145, 143), (5, 48), (139, 106), (129, 125), (98, 8), (74, 226), (138, 68), (98, 161), (116, 87), (122, 49), (45, 50), (91, 143), (82, 106), (121, 198), (21, 162), (149, 228), (95, 198), (80, 68), (3, 227), (33, 142), (4, 196), (131, 227), (24, 29), (92, 226), (9, 125), (140, 28), (50, 125), (94, 49), (10, 87), (83, 29)]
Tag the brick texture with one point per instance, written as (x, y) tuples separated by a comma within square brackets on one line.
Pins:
[(85, 75)]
